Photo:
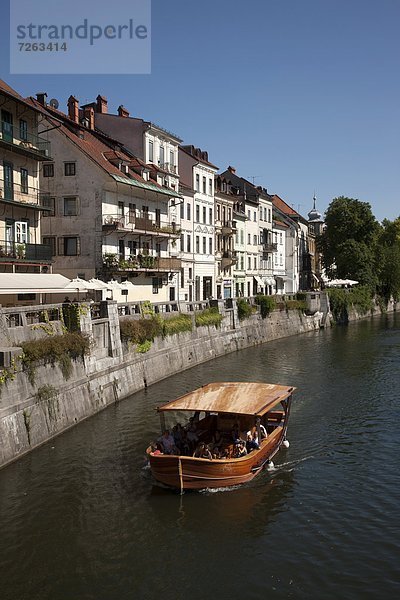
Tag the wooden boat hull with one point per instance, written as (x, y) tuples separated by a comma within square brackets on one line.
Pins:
[(187, 473)]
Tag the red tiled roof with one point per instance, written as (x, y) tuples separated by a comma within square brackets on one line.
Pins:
[(89, 143), (283, 207)]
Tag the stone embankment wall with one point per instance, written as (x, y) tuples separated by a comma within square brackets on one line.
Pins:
[(34, 411)]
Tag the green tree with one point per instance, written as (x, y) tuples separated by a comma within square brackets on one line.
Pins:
[(348, 242), (388, 259)]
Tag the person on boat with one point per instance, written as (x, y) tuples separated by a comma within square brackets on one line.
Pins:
[(252, 441), (168, 443), (217, 440), (240, 449), (235, 433), (263, 431), (156, 449), (202, 451), (177, 432), (191, 434)]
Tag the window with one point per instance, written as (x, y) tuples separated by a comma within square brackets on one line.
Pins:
[(218, 212), (204, 185), (182, 242), (121, 209), (210, 216), (204, 214), (182, 278), (197, 213), (157, 284), (190, 273), (132, 212), (68, 246), (255, 240), (69, 169), (48, 170), (280, 238), (281, 259), (265, 214), (158, 249), (182, 210), (51, 204), (204, 245), (255, 263), (50, 241), (188, 244), (132, 247), (197, 182), (162, 156), (24, 181), (171, 158), (242, 236), (23, 130), (210, 187), (255, 216), (249, 262), (70, 207), (210, 246), (151, 151), (249, 238), (269, 215), (197, 244), (249, 214)]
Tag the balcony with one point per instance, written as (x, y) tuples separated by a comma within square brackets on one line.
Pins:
[(169, 167), (228, 228), (29, 144), (113, 263), (269, 247), (29, 197), (139, 224), (229, 258), (16, 252)]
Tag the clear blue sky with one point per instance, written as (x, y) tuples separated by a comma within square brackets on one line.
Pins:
[(303, 95)]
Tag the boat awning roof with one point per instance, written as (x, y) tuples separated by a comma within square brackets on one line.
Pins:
[(246, 398)]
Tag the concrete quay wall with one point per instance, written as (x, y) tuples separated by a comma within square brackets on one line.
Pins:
[(33, 412)]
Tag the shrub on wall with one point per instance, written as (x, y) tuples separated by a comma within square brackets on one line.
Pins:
[(177, 324), (61, 349), (244, 309), (266, 304), (209, 316), (137, 331), (342, 299)]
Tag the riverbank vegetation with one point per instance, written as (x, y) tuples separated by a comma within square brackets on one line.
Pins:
[(56, 349), (354, 245), (142, 332)]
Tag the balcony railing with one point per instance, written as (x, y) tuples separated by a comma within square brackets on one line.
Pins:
[(169, 167), (229, 257), (141, 262), (26, 195), (139, 223), (269, 247), (27, 143), (228, 227), (20, 252)]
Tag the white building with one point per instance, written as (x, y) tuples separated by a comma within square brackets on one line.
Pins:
[(109, 218), (198, 252)]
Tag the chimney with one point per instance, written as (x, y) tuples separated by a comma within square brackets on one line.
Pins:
[(231, 169), (101, 106), (88, 112), (41, 98), (73, 109), (122, 111)]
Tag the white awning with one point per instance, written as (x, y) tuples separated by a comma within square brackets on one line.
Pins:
[(32, 283), (259, 280), (269, 281)]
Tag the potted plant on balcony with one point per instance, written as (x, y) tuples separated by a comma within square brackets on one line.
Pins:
[(110, 260), (20, 250)]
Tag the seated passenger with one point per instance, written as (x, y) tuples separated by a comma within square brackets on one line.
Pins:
[(199, 450), (252, 441), (240, 449), (191, 434), (235, 433), (156, 449), (168, 444), (263, 431), (217, 439)]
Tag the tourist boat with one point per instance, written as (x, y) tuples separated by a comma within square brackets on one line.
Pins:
[(227, 407)]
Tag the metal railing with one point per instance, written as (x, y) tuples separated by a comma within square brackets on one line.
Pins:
[(11, 251), (130, 222), (25, 142)]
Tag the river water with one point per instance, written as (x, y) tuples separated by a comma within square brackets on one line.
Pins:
[(81, 518)]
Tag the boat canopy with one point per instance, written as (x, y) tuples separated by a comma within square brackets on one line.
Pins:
[(246, 398)]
